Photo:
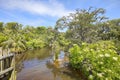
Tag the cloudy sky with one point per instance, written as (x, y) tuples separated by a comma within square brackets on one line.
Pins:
[(46, 12)]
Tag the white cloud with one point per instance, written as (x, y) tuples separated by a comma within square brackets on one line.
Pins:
[(51, 7), (11, 17)]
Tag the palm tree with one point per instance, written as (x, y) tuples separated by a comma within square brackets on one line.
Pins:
[(15, 43)]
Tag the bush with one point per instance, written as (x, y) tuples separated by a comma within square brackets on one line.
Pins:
[(98, 61), (2, 38), (35, 43)]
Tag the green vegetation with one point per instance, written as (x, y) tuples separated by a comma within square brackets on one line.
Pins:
[(16, 38), (98, 61), (95, 43), (91, 38)]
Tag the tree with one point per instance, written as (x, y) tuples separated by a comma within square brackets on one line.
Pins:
[(1, 26), (81, 24), (114, 32), (14, 44), (41, 30), (12, 26)]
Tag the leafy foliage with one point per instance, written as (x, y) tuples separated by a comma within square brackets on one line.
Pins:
[(18, 39), (97, 41), (98, 61), (35, 43), (81, 24)]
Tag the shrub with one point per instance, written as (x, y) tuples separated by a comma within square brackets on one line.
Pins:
[(98, 61), (35, 43)]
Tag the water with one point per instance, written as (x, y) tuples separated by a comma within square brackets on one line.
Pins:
[(35, 65)]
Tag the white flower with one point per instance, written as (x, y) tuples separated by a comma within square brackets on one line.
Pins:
[(115, 58), (91, 49), (109, 71), (101, 62), (101, 55), (99, 74), (106, 78), (90, 76), (107, 55), (98, 50)]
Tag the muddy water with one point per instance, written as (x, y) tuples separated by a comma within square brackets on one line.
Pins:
[(34, 65)]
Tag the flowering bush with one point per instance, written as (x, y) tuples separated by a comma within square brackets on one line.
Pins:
[(98, 61)]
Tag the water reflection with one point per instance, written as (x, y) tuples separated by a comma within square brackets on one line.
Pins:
[(38, 54), (36, 65), (62, 73)]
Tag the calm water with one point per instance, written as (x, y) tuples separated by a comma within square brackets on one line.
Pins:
[(34, 65)]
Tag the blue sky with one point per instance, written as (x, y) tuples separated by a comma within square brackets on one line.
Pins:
[(47, 12)]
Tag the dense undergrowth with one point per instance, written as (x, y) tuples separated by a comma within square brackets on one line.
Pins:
[(98, 61)]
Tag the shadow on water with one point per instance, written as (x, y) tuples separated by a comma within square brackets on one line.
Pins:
[(36, 65)]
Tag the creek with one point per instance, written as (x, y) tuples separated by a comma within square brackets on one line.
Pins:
[(36, 65)]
